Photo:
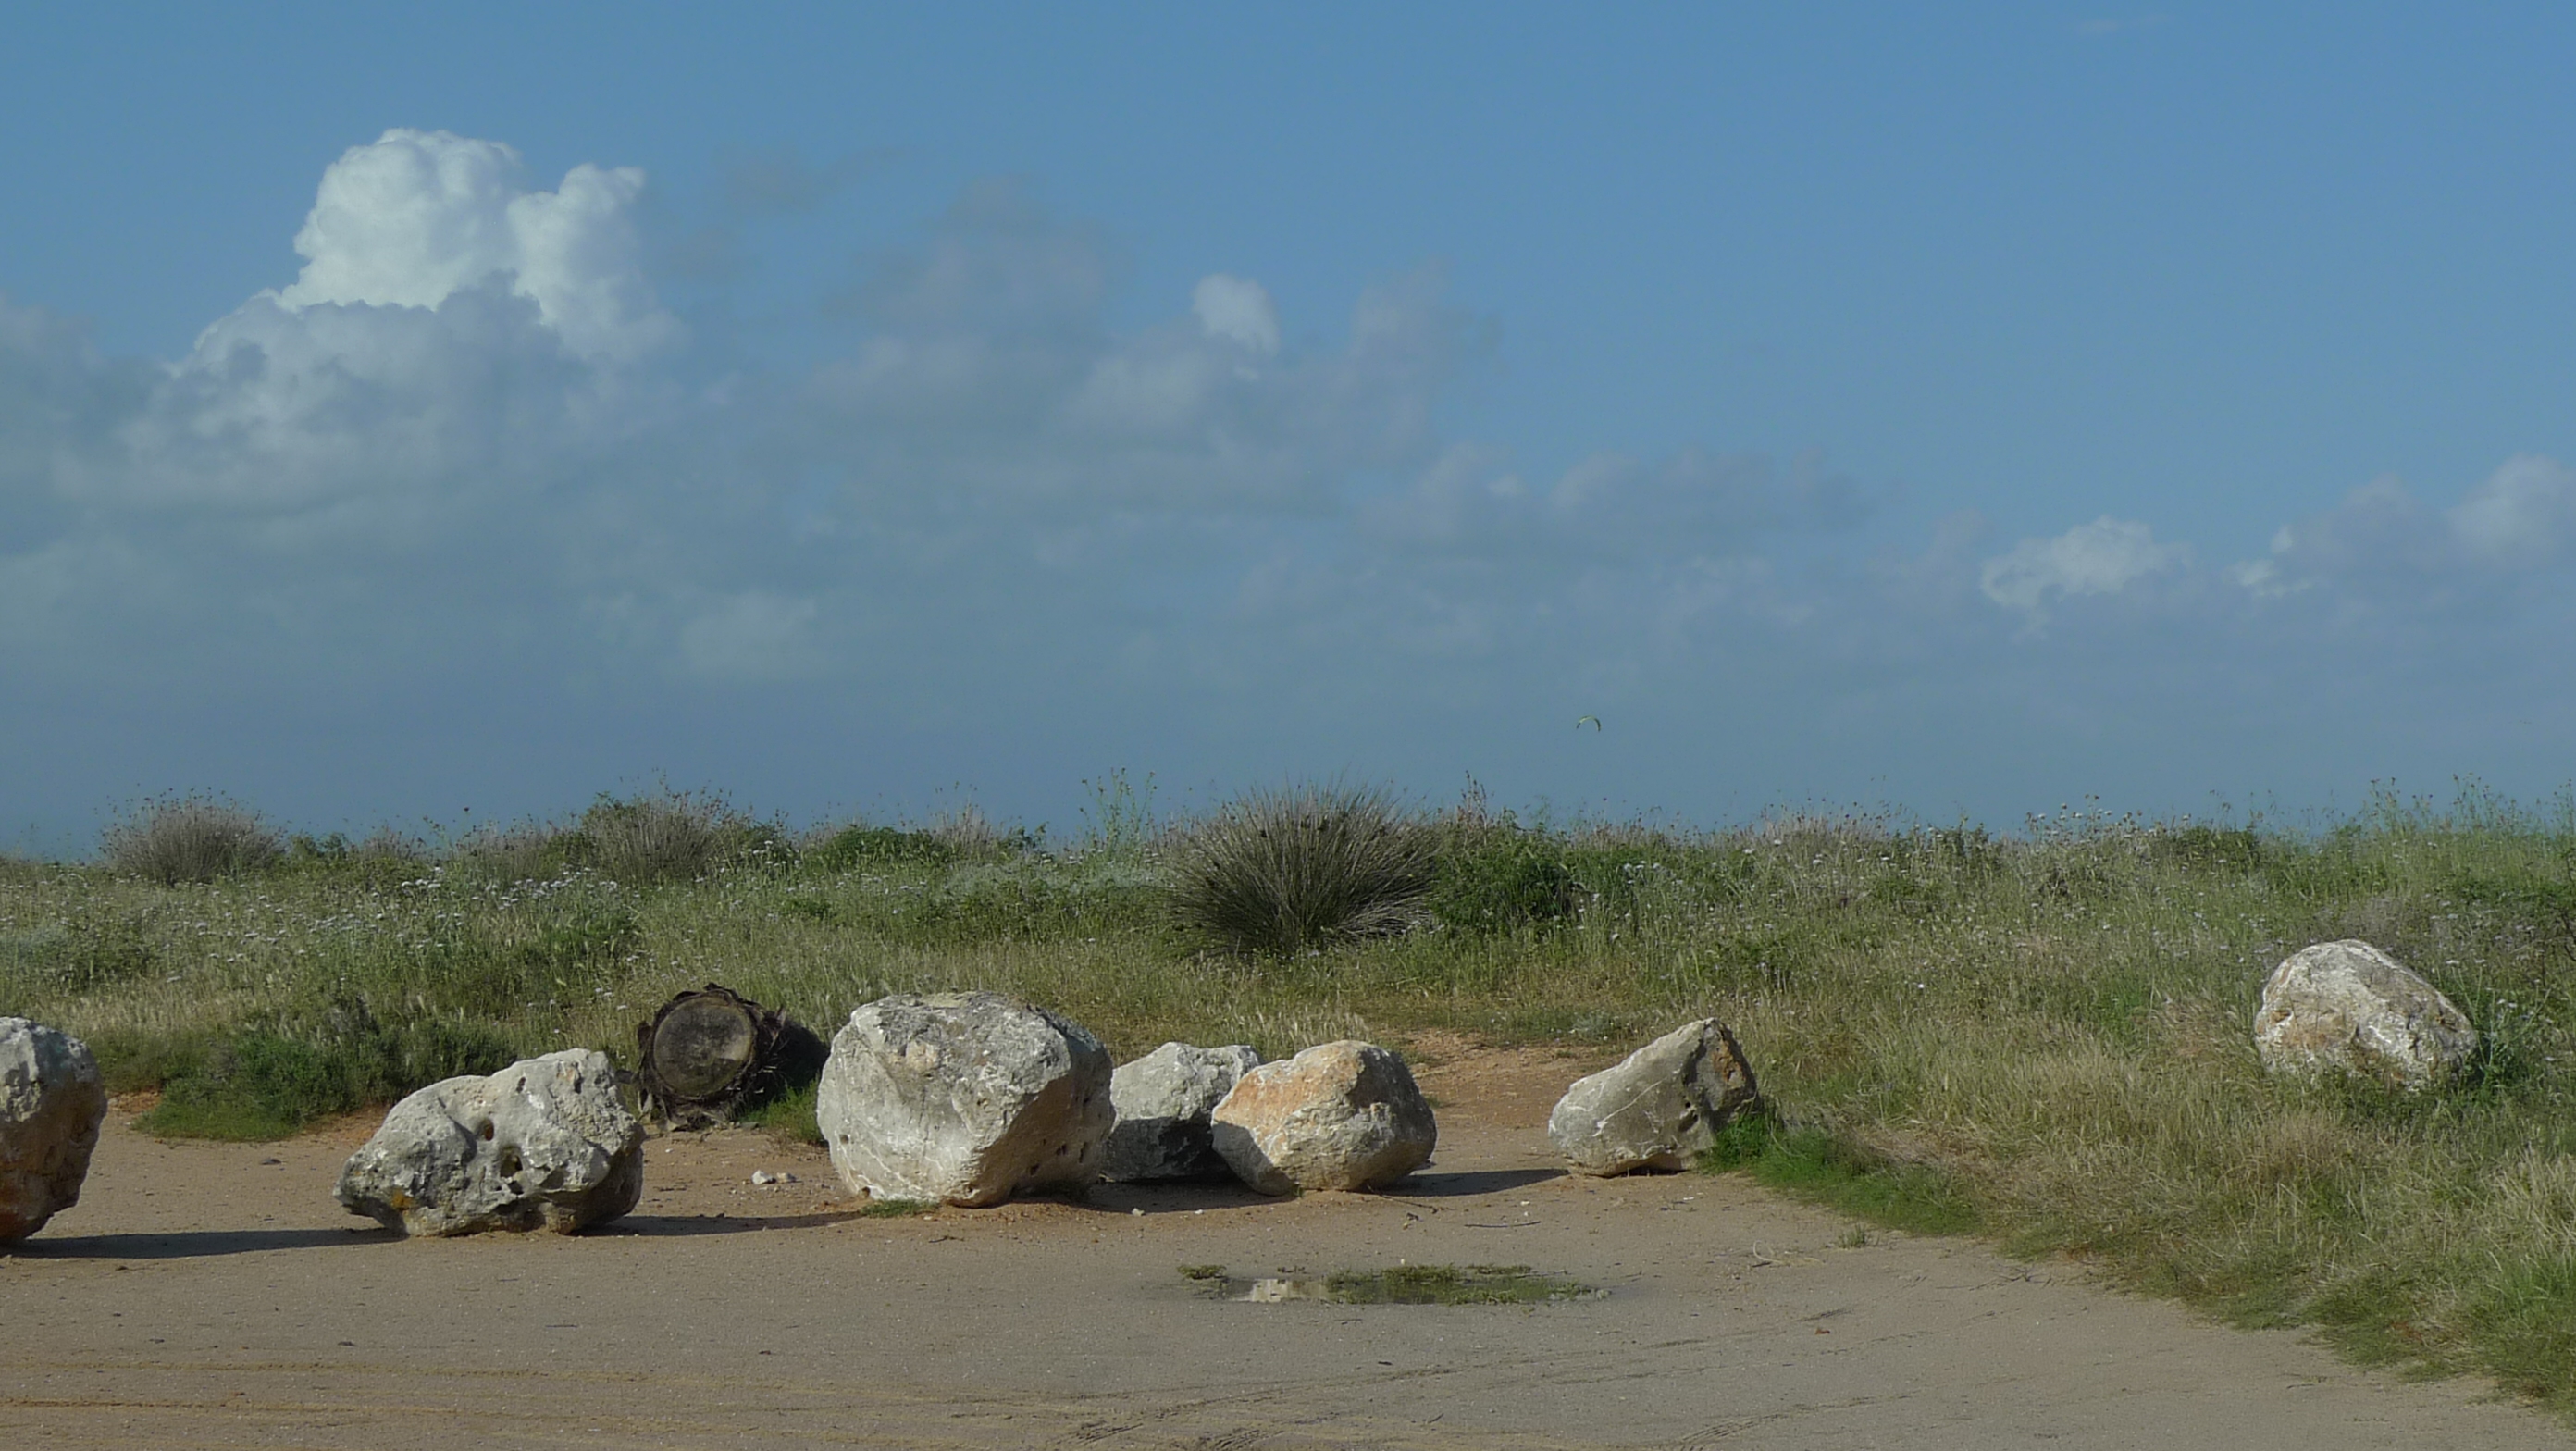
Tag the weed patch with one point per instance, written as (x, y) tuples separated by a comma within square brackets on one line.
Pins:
[(789, 1117), (897, 1208)]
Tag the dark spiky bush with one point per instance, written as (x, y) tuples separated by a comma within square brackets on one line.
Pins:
[(192, 838), (1301, 867)]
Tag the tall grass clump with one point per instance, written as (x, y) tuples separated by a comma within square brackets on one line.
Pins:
[(651, 838), (1300, 868), (669, 836), (196, 837)]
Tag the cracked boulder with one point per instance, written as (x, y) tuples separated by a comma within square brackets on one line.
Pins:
[(51, 1103), (1659, 1108), (2347, 1007), (1340, 1115), (546, 1143), (963, 1098), (1163, 1100)]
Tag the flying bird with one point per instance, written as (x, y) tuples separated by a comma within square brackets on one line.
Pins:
[(1596, 723)]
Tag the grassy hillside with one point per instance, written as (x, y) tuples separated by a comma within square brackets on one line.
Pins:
[(2042, 1036)]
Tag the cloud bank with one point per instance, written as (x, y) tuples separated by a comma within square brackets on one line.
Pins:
[(466, 485)]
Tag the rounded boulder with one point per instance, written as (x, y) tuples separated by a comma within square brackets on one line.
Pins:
[(963, 1098), (545, 1143), (52, 1101), (1342, 1115), (2348, 1007)]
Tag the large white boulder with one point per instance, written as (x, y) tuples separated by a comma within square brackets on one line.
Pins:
[(546, 1143), (51, 1103), (1658, 1109), (1340, 1115), (963, 1098), (2349, 1007), (1163, 1100)]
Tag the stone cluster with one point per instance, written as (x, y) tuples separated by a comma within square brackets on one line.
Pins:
[(973, 1098)]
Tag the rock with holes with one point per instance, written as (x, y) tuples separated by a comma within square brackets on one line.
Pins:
[(1163, 1100), (1340, 1115), (963, 1098), (1660, 1108), (51, 1102), (2348, 1007), (546, 1143)]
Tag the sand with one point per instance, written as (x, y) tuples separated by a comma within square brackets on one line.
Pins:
[(213, 1295)]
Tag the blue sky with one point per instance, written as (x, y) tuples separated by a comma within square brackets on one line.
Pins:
[(1959, 409)]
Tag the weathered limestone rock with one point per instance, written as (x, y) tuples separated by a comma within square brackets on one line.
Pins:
[(1338, 1116), (2349, 1007), (963, 1098), (544, 1143), (1660, 1108), (1163, 1100), (51, 1102)]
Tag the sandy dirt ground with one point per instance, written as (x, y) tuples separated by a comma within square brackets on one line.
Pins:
[(213, 1295)]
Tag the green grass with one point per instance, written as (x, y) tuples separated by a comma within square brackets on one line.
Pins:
[(897, 1208), (789, 1117), (1401, 1285), (2040, 1036), (1449, 1285), (1835, 1169)]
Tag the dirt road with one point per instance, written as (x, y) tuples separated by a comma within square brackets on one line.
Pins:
[(207, 1295)]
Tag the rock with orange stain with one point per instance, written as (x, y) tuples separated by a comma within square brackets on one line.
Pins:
[(1340, 1115)]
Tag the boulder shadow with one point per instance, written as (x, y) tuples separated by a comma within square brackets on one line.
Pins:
[(685, 1226), (1181, 1196), (189, 1244), (1467, 1184)]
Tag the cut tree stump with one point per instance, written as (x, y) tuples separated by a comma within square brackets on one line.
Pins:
[(711, 1051)]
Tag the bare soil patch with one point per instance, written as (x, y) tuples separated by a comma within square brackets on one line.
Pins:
[(213, 1295)]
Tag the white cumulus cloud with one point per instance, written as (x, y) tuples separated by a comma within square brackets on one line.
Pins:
[(2100, 558), (2523, 516), (415, 217), (1237, 310), (2380, 541)]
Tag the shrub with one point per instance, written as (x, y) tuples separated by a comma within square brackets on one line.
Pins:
[(1501, 879), (268, 1082), (527, 852), (190, 838), (658, 836), (860, 844), (665, 836), (1301, 867)]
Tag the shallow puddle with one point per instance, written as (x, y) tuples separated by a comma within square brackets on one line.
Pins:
[(1402, 1285)]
